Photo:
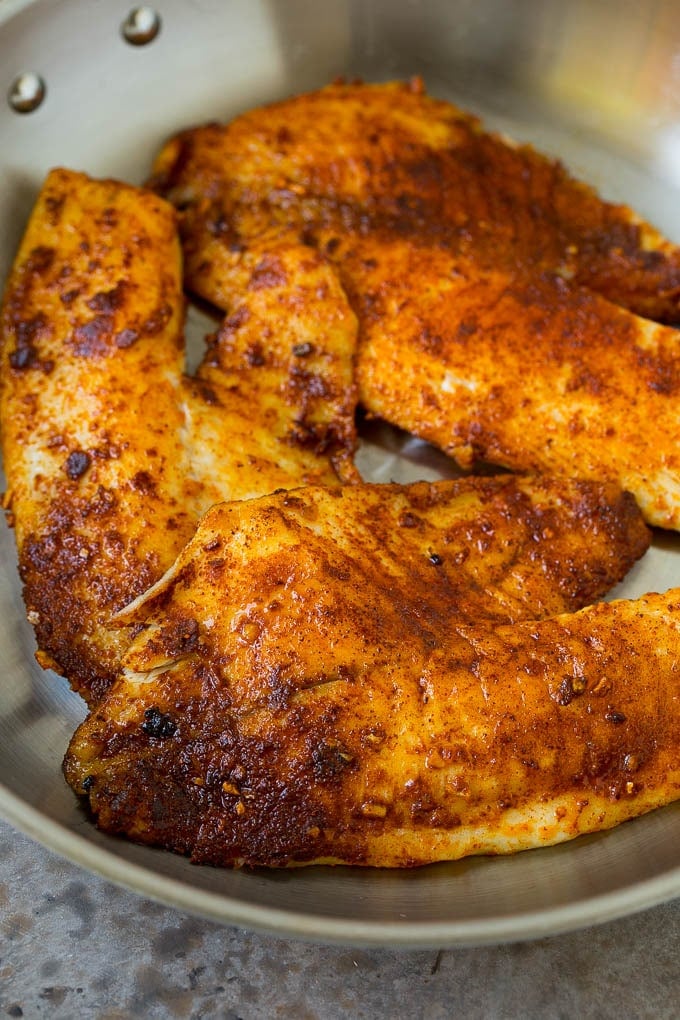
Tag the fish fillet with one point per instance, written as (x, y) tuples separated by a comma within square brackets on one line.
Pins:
[(111, 453), (499, 300), (356, 675)]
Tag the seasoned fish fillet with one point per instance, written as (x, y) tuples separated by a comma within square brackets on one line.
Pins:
[(485, 279), (111, 454), (521, 371), (356, 675), (388, 158)]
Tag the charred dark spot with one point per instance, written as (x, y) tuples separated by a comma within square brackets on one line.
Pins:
[(207, 393), (309, 383), (586, 380), (142, 481), (339, 573), (330, 760), (332, 245), (103, 502), (184, 637), (216, 567), (126, 338), (663, 386), (219, 225), (114, 541), (255, 356), (157, 320), (308, 237), (310, 436), (425, 810), (269, 272), (435, 559), (303, 350), (22, 357), (650, 259), (280, 689), (107, 451), (408, 520), (54, 205), (69, 296), (617, 718), (186, 575), (233, 322), (77, 463), (40, 259), (91, 339), (293, 502), (158, 724), (565, 692), (87, 783), (108, 300), (109, 217), (467, 328), (661, 371), (28, 332)]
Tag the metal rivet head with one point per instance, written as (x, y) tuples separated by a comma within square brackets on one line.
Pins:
[(141, 26), (26, 92)]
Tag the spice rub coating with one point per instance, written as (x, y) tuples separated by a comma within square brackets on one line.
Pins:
[(343, 675), (520, 370), (111, 454), (494, 292), (363, 157)]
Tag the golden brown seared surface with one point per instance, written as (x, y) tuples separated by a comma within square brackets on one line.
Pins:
[(111, 455), (361, 158), (521, 371), (342, 675), (478, 270)]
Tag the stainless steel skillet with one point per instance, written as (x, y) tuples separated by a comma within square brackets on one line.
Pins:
[(599, 85)]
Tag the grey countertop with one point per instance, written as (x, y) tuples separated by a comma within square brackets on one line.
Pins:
[(73, 945)]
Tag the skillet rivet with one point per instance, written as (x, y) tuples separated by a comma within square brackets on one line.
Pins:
[(26, 92), (141, 26)]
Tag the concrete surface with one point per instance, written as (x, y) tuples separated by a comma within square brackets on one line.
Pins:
[(72, 946)]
